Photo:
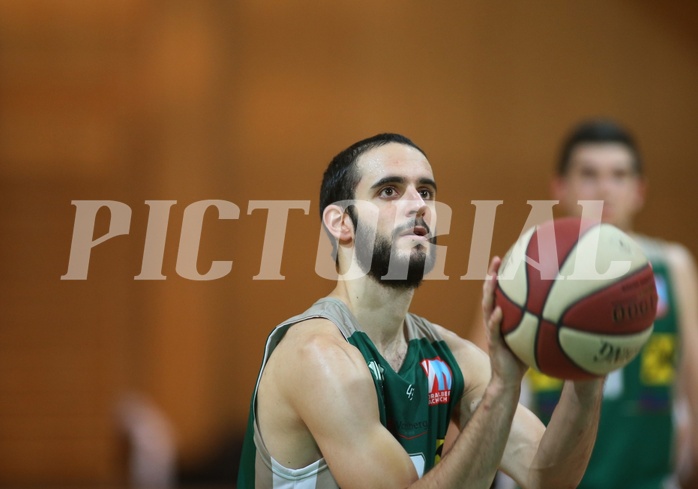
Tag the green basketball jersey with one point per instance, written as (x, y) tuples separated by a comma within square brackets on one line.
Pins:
[(415, 403), (634, 446)]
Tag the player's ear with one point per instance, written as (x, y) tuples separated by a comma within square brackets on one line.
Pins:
[(557, 188), (641, 193), (338, 223)]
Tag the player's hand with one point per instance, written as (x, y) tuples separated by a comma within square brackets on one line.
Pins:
[(505, 365)]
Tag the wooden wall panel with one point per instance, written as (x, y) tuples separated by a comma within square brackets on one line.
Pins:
[(138, 101), (63, 346)]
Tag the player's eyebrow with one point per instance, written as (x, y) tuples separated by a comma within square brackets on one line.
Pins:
[(401, 180)]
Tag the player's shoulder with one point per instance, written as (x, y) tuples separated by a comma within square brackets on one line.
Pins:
[(677, 258), (683, 268), (678, 255), (674, 253), (316, 346), (465, 351), (452, 338), (310, 334)]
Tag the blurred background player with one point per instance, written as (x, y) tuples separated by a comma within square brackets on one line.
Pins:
[(648, 433)]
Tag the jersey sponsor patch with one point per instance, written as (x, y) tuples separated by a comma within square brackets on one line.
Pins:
[(439, 378)]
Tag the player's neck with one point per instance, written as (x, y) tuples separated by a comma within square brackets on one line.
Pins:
[(380, 309), (625, 225)]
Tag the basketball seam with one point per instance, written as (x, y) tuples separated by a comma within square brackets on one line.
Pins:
[(597, 291), (569, 252), (547, 297), (539, 318), (559, 324), (512, 301), (523, 312)]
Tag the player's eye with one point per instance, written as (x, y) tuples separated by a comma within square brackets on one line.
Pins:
[(621, 175), (388, 192), (587, 174), (426, 193)]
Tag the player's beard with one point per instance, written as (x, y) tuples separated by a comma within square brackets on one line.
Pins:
[(384, 264)]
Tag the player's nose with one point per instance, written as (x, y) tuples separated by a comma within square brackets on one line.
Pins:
[(415, 203)]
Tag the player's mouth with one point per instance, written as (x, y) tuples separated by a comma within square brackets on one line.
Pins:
[(607, 212), (418, 231)]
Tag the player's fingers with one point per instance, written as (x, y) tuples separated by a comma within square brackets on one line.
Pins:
[(489, 285), (492, 321), (494, 266)]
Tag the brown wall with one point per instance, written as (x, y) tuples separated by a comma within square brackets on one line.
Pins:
[(137, 101)]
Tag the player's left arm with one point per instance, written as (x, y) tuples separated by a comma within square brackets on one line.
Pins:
[(685, 284), (536, 457), (565, 448)]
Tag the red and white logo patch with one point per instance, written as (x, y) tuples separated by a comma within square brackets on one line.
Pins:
[(440, 378)]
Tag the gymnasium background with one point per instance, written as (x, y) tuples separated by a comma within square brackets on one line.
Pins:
[(138, 101)]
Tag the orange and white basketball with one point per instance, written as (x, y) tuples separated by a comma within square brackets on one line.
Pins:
[(578, 298)]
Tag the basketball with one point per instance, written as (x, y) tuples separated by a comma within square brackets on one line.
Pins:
[(578, 298)]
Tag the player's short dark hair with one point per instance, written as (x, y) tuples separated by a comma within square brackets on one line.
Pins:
[(598, 131), (341, 177)]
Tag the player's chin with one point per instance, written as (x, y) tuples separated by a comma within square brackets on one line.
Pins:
[(420, 251), (609, 214), (613, 220)]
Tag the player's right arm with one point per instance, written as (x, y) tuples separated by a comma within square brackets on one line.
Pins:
[(329, 408)]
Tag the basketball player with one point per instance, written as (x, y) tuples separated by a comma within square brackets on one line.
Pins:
[(637, 446), (356, 392)]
